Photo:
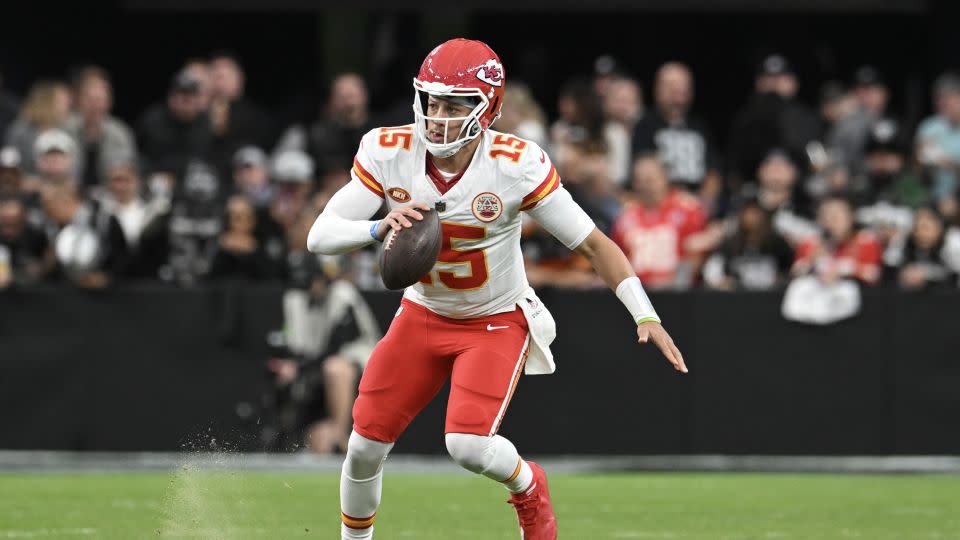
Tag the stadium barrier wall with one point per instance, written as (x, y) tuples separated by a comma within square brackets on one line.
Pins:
[(154, 368)]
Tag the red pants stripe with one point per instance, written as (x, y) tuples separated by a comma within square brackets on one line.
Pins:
[(482, 357)]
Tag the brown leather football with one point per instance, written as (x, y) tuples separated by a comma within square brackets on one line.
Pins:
[(410, 253)]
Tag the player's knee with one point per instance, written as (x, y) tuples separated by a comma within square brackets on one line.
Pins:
[(469, 451), (364, 456)]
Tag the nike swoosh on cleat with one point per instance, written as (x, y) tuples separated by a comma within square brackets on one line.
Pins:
[(491, 328)]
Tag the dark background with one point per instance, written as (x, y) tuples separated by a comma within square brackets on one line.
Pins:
[(174, 371), (293, 47)]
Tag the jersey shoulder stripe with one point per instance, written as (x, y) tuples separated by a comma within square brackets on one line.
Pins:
[(366, 178), (548, 186)]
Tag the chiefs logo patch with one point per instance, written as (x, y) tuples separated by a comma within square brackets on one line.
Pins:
[(487, 207), (491, 73), (398, 194)]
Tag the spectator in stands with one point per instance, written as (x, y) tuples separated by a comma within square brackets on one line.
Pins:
[(55, 155), (330, 333), (194, 226), (754, 257), (522, 115), (293, 176), (887, 176), (623, 108), (773, 118), (46, 107), (251, 176), (11, 178), (8, 108), (890, 190), (867, 104), (949, 208), (239, 253), (682, 140), (777, 178), (605, 70), (334, 138), (122, 198), (101, 137), (657, 225), (234, 119), (25, 255), (841, 251), (580, 124), (929, 257), (173, 133), (199, 70), (88, 242), (938, 137)]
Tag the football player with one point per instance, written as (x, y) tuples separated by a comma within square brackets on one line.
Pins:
[(473, 319)]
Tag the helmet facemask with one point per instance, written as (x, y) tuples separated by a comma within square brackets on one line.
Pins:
[(470, 129)]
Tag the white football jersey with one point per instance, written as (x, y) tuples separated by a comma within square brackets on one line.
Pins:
[(480, 268)]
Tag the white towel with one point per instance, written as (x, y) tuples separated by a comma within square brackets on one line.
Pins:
[(543, 330)]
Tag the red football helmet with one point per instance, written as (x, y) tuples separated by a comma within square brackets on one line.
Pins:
[(459, 69)]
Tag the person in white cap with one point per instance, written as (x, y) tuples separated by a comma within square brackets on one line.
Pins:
[(55, 153)]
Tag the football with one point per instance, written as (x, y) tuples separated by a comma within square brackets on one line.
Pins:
[(410, 253)]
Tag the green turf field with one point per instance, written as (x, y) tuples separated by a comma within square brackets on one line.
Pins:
[(228, 506)]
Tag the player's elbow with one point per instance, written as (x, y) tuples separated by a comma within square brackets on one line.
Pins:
[(591, 244), (316, 239)]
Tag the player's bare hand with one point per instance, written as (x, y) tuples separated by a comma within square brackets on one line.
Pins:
[(400, 217), (653, 331)]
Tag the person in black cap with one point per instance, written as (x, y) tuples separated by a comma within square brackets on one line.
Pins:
[(886, 167), (172, 133), (848, 139), (771, 119)]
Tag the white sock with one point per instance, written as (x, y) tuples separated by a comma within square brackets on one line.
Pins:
[(361, 483), (523, 479), (494, 457), (346, 533)]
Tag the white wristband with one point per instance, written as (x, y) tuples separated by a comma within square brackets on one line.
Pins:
[(631, 293)]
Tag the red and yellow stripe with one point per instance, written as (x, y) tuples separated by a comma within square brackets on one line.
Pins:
[(367, 179), (548, 186), (355, 523)]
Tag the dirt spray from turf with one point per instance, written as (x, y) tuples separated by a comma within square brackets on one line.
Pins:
[(207, 497)]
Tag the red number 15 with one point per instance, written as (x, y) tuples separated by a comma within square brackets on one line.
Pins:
[(474, 259)]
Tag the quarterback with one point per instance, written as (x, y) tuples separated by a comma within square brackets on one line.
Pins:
[(473, 319)]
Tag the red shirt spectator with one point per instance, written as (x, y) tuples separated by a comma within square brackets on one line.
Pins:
[(841, 251), (653, 231)]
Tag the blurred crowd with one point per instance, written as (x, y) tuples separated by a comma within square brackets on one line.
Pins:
[(204, 185)]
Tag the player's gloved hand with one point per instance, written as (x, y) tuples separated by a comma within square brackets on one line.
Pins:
[(652, 331), (400, 217)]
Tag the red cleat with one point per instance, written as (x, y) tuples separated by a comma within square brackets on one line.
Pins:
[(537, 521)]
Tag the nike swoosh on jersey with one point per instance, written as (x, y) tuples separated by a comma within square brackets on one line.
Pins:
[(543, 157), (491, 328)]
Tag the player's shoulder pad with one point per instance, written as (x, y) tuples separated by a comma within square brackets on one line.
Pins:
[(386, 143)]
